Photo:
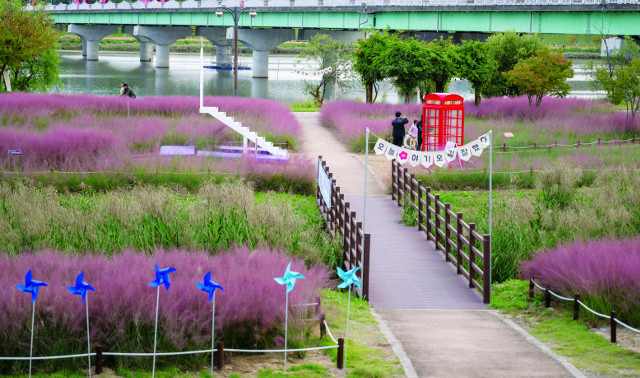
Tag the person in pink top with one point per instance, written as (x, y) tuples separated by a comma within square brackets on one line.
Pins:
[(413, 134)]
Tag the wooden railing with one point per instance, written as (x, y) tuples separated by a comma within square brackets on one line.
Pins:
[(460, 243), (342, 221)]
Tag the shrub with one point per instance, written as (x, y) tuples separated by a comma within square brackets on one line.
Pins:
[(604, 272), (249, 312), (217, 217)]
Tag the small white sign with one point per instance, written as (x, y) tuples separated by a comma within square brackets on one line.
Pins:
[(381, 147), (230, 33), (414, 158), (177, 150), (15, 152)]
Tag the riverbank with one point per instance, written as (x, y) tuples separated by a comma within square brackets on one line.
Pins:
[(181, 46)]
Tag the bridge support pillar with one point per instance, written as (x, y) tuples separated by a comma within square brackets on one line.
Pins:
[(163, 37), (91, 36), (223, 55), (146, 51), (261, 41)]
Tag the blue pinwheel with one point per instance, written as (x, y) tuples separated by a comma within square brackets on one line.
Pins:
[(208, 285), (31, 286), (162, 277), (289, 278), (81, 287), (349, 278)]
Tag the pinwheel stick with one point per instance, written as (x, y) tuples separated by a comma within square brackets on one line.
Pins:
[(213, 323), (88, 336), (155, 336), (33, 317), (286, 327), (346, 336)]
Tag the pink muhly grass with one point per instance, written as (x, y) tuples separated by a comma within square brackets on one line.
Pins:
[(604, 273), (251, 301)]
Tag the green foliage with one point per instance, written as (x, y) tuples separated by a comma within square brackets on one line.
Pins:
[(405, 61), (324, 52), (442, 62), (25, 37), (507, 49), (623, 85), (303, 106), (546, 73), (371, 69), (144, 218), (475, 65)]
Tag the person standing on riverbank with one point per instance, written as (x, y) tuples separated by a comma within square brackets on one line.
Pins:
[(127, 91), (121, 88), (398, 129)]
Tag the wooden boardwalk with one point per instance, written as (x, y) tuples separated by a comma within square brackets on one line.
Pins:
[(406, 272)]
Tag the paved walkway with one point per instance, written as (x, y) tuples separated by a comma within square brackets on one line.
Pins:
[(440, 323)]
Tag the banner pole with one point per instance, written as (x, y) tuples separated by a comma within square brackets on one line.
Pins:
[(364, 199), (490, 203), (155, 337), (88, 335), (213, 323), (33, 317)]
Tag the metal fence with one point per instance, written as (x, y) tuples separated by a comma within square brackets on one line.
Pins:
[(461, 244)]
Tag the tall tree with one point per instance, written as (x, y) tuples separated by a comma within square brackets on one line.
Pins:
[(370, 69), (25, 35), (442, 62), (405, 61), (324, 52), (544, 74), (476, 66), (506, 49), (623, 85)]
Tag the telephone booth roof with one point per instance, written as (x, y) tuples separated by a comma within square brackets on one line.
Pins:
[(443, 99)]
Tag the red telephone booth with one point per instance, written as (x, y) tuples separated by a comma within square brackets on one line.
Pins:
[(443, 116)]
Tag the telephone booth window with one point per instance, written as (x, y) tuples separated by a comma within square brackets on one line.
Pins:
[(443, 116)]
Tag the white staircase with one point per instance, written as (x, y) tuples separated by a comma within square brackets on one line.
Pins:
[(247, 135)]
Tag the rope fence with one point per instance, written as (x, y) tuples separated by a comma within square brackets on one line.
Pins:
[(219, 350), (577, 303)]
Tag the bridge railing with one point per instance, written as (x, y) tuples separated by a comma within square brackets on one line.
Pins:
[(68, 5), (342, 221), (460, 243)]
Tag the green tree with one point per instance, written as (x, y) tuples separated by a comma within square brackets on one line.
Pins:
[(506, 49), (442, 62), (370, 69), (476, 66), (25, 37), (324, 52), (546, 73), (405, 62), (623, 85)]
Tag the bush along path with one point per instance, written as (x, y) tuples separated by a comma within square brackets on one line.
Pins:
[(460, 329)]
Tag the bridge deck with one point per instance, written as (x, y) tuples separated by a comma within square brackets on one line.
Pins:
[(406, 272)]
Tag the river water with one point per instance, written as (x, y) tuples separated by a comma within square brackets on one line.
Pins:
[(182, 78)]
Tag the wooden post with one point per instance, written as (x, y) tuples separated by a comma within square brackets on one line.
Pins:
[(547, 298), (345, 236), (531, 288), (599, 141), (287, 142), (459, 242), (352, 239), (472, 255), (535, 146), (486, 269), (504, 147), (447, 232), (340, 357), (99, 359), (578, 145), (614, 336), (340, 210), (358, 243), (333, 202), (576, 306), (219, 358), (365, 268), (412, 188), (436, 207), (428, 213), (323, 329), (420, 207), (393, 179)]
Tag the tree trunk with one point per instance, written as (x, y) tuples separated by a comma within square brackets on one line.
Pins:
[(478, 98), (407, 98), (440, 86), (369, 89)]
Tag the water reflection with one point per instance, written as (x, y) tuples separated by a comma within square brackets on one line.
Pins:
[(182, 78)]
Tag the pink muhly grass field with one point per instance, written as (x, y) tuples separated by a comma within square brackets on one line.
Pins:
[(249, 311), (604, 273)]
